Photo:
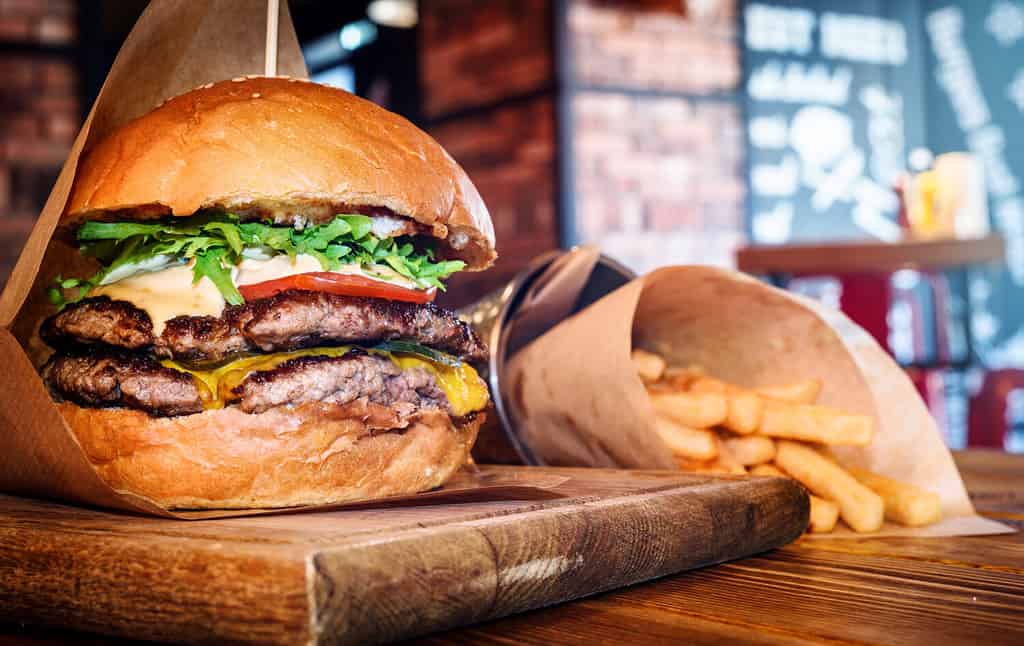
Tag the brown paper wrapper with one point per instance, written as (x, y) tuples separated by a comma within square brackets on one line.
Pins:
[(176, 46), (578, 401)]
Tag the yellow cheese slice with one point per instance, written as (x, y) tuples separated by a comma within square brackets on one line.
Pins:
[(465, 390)]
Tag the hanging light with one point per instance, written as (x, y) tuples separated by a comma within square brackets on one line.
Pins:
[(393, 13)]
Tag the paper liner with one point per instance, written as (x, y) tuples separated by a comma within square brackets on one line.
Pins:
[(176, 46), (578, 401)]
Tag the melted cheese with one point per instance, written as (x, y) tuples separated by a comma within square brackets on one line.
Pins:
[(165, 294), (169, 292), (465, 390)]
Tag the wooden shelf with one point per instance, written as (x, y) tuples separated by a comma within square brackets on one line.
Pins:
[(857, 257)]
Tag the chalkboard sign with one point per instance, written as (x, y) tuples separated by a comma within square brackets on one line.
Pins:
[(838, 92), (974, 90), (833, 106)]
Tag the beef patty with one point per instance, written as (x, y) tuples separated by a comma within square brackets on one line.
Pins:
[(290, 320), (140, 382), (117, 379)]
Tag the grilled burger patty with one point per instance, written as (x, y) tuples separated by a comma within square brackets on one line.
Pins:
[(140, 382), (290, 320), (121, 379)]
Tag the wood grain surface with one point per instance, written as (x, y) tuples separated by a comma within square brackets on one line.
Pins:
[(927, 591), (371, 574), (870, 256), (967, 590)]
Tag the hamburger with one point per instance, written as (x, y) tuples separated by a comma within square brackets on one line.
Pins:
[(255, 327)]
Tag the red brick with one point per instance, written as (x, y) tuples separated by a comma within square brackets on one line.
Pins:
[(18, 73), (58, 103), (58, 76), (34, 152), (20, 126), (56, 30), (15, 28), (28, 8)]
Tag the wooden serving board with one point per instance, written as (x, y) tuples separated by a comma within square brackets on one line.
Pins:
[(378, 574)]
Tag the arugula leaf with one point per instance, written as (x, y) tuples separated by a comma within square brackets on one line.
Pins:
[(230, 232), (320, 236), (360, 225), (211, 264), (116, 230), (218, 241)]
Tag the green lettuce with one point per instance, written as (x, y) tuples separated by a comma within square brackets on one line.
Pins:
[(217, 242)]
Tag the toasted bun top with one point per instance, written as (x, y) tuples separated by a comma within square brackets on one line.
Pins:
[(281, 148)]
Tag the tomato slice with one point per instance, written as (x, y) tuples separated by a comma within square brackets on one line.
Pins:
[(344, 284)]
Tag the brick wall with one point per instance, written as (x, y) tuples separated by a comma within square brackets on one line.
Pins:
[(627, 45), (473, 53), (39, 112), (658, 142), (659, 179), (486, 80)]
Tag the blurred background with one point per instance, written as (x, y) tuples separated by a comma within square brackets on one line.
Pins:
[(866, 153)]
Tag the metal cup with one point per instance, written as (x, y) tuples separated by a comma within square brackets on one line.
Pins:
[(499, 440)]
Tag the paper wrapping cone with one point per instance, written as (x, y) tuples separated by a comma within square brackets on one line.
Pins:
[(578, 400), (176, 46)]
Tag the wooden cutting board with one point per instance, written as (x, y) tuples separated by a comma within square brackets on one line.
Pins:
[(372, 574)]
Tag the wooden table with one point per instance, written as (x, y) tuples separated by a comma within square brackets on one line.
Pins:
[(966, 590)]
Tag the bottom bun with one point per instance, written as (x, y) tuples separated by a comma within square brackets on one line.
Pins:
[(309, 455)]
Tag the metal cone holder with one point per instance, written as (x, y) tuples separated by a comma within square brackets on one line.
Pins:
[(491, 317)]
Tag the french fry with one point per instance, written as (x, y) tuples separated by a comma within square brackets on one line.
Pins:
[(728, 460), (812, 423), (693, 443), (743, 407), (681, 378), (648, 365), (824, 514), (904, 503), (767, 470), (696, 410), (798, 392), (751, 449), (861, 508)]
